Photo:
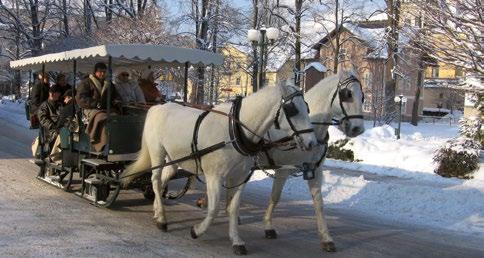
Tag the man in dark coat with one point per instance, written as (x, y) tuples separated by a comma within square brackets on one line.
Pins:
[(48, 114), (61, 81), (40, 92), (68, 111), (92, 97)]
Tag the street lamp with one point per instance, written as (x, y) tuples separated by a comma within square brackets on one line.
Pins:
[(399, 99), (261, 38)]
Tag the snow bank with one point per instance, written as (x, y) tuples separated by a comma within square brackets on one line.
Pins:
[(381, 153), (395, 181)]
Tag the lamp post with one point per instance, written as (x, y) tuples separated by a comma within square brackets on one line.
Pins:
[(260, 40), (400, 100)]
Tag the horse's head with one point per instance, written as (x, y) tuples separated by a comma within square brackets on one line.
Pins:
[(293, 117), (347, 104)]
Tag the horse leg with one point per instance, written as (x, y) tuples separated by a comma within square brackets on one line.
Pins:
[(166, 175), (238, 244), (315, 189), (158, 158), (213, 194), (281, 176)]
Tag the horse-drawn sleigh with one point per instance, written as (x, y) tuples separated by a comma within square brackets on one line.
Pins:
[(224, 143)]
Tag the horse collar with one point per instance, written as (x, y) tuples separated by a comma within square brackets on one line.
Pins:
[(240, 142)]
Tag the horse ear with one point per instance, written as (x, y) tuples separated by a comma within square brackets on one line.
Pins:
[(283, 87)]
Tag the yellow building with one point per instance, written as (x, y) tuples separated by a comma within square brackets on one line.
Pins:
[(236, 77)]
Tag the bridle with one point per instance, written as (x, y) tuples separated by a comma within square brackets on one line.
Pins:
[(290, 110), (344, 95), (247, 148)]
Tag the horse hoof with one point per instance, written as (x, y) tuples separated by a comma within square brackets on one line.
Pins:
[(240, 250), (192, 233), (162, 226), (329, 247), (271, 234)]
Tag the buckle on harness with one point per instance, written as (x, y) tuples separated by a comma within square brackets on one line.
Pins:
[(308, 171)]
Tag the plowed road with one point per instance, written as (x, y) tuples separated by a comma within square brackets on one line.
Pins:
[(37, 219)]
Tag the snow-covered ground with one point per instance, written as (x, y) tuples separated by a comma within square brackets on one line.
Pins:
[(395, 180), (13, 112)]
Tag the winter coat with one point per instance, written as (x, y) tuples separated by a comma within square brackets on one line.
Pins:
[(91, 94), (152, 94), (48, 114), (40, 93), (129, 92)]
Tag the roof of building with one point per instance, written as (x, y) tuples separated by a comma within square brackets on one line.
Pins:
[(316, 65)]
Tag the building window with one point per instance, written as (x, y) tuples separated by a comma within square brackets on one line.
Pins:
[(404, 107), (435, 72), (342, 53), (441, 95), (366, 106), (237, 81), (459, 72), (418, 21)]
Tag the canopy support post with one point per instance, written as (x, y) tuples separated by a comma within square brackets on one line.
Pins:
[(108, 106), (30, 83), (73, 88), (185, 86)]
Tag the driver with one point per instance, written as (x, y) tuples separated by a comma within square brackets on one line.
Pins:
[(92, 97)]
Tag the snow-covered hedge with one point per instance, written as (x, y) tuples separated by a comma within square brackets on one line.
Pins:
[(336, 150), (459, 157), (471, 127)]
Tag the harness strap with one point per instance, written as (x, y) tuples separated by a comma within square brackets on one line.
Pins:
[(323, 155), (200, 153), (194, 145)]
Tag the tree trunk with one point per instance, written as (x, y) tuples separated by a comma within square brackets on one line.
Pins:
[(214, 49), (87, 17), (337, 38), (393, 10), (36, 32), (65, 18), (202, 44), (255, 61), (298, 64), (417, 92)]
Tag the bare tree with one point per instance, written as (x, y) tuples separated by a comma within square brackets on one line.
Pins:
[(453, 32)]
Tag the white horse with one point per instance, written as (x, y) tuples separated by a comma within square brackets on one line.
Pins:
[(169, 132), (337, 99)]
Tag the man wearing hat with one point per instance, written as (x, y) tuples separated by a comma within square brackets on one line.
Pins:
[(92, 97), (48, 114)]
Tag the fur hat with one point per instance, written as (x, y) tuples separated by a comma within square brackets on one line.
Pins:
[(100, 66), (121, 70), (55, 88), (148, 74)]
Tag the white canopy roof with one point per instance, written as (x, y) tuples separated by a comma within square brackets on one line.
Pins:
[(122, 55)]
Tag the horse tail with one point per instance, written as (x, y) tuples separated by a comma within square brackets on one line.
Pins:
[(143, 162)]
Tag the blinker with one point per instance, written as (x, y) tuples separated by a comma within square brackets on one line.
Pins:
[(345, 95), (290, 109)]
